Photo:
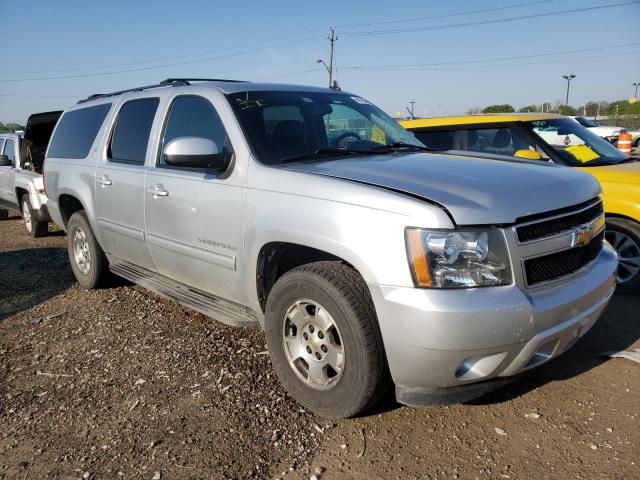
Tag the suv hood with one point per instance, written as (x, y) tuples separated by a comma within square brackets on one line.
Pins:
[(474, 191)]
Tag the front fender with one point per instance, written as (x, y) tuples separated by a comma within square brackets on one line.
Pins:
[(370, 239)]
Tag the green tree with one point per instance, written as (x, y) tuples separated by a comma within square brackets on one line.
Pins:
[(566, 110), (504, 108), (10, 127), (529, 109), (623, 107)]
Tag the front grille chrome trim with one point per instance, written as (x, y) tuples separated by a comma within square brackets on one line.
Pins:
[(599, 237), (559, 233)]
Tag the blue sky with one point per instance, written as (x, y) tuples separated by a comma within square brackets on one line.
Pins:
[(270, 40)]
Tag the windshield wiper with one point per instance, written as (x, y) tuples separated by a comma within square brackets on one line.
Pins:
[(321, 153), (390, 147)]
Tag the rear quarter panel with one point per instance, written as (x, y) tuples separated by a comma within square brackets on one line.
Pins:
[(75, 177)]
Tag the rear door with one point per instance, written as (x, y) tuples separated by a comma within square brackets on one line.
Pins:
[(194, 218), (7, 176), (120, 182)]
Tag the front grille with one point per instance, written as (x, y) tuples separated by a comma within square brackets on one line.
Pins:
[(556, 265), (547, 228)]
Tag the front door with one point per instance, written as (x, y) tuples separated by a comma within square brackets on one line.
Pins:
[(120, 178), (194, 218), (8, 198)]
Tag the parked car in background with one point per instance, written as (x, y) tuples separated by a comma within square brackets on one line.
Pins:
[(21, 181), (554, 139), (608, 132), (314, 214)]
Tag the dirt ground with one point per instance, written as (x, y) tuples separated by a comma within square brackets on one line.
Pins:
[(118, 383)]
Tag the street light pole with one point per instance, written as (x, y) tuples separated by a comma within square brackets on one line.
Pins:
[(568, 78), (636, 84), (332, 39)]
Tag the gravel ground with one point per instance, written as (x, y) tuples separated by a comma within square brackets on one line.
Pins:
[(118, 383)]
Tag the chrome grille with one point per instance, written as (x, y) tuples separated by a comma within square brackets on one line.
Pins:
[(560, 243), (560, 264), (562, 223)]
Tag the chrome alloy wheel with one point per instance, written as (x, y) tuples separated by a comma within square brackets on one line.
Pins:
[(81, 252), (628, 255), (26, 215), (312, 344)]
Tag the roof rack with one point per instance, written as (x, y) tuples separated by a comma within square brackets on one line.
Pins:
[(163, 83)]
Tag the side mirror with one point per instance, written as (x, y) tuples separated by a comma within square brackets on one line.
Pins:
[(5, 162), (528, 154), (195, 152)]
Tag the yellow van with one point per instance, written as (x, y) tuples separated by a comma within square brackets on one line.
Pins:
[(562, 140)]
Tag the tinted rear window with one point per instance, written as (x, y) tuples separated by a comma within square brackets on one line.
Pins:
[(77, 131), (131, 133)]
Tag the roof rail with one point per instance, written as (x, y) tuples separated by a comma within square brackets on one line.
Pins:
[(163, 83), (171, 81)]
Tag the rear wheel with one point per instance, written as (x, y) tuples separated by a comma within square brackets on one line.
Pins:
[(624, 236), (34, 227), (4, 214), (324, 339), (88, 261)]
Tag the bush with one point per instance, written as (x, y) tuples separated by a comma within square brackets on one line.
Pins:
[(504, 108)]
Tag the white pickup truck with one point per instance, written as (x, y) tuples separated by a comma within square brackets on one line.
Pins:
[(21, 181)]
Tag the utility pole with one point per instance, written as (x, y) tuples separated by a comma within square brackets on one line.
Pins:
[(332, 39), (568, 78), (636, 84), (412, 105)]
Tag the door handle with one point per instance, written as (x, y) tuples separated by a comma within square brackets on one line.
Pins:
[(158, 191), (105, 181)]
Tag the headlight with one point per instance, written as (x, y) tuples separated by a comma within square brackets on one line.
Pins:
[(458, 259)]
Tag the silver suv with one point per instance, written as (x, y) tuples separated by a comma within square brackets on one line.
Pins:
[(312, 213)]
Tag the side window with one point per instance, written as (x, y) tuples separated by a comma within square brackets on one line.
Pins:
[(10, 151), (1, 144), (76, 132), (130, 135), (191, 116), (436, 139)]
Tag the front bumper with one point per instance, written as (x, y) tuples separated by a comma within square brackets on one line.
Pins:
[(452, 338)]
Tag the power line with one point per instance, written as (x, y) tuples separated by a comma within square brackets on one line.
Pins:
[(484, 22), (22, 95), (162, 59), (562, 60), (457, 14), (290, 74), (154, 67), (458, 62)]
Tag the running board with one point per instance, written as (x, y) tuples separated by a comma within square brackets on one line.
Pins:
[(210, 305)]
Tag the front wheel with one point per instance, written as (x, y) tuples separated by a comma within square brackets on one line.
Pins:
[(34, 227), (4, 214), (87, 259), (324, 339), (624, 236)]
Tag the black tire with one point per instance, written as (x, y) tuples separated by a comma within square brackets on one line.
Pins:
[(624, 235), (344, 295), (4, 214), (97, 272), (34, 227)]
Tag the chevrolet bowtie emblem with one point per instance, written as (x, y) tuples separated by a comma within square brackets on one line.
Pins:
[(582, 235)]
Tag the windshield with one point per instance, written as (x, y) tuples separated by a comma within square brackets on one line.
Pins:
[(574, 143), (288, 126), (585, 122)]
